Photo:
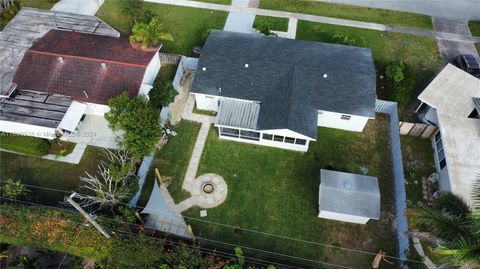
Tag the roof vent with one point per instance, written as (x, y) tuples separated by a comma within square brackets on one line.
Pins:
[(325, 75), (220, 90), (246, 65), (204, 68), (60, 59), (347, 185), (85, 92), (103, 65)]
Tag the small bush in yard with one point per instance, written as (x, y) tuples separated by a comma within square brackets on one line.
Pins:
[(14, 189), (401, 82)]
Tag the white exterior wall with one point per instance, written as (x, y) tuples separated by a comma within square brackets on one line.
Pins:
[(207, 102), (343, 217), (27, 129), (152, 70), (444, 179), (271, 143), (333, 120), (96, 109), (144, 90)]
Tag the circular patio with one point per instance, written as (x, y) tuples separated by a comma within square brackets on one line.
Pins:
[(209, 190)]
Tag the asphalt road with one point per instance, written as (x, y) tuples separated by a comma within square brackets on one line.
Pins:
[(452, 9)]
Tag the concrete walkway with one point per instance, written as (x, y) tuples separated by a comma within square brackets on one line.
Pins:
[(75, 157), (84, 7), (418, 247), (320, 19), (292, 30), (456, 9), (240, 22)]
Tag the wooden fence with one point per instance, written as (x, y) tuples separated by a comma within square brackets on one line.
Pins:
[(169, 58), (417, 129)]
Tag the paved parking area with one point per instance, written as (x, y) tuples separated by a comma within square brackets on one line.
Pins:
[(450, 49)]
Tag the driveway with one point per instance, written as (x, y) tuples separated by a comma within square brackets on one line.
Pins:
[(84, 7), (453, 9), (239, 21), (450, 49)]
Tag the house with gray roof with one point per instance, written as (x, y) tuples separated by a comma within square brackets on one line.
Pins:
[(275, 91)]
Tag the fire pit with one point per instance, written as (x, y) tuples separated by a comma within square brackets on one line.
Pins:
[(208, 187)]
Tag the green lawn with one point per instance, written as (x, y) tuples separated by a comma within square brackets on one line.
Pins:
[(24, 144), (222, 2), (188, 26), (47, 173), (172, 162), (167, 72), (418, 163), (474, 27), (278, 24), (383, 16), (276, 191), (43, 4), (421, 53)]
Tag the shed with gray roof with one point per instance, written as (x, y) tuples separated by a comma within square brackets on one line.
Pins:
[(348, 197)]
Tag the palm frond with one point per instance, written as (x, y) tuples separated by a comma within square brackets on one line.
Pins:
[(467, 253), (441, 224), (453, 204)]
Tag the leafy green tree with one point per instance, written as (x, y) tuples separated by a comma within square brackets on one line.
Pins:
[(149, 34), (456, 225), (162, 93), (132, 9), (401, 82), (139, 121), (14, 189)]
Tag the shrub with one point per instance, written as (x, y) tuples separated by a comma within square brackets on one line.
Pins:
[(401, 82), (14, 189), (266, 28), (162, 94)]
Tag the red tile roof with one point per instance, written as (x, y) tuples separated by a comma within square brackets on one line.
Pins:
[(80, 74)]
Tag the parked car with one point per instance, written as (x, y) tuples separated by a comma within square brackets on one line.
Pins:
[(468, 63)]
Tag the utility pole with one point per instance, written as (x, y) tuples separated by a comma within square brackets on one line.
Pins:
[(86, 215)]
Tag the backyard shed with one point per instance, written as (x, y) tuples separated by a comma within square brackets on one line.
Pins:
[(348, 197)]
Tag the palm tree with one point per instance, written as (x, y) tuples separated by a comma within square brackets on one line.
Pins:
[(456, 225), (132, 9), (149, 34)]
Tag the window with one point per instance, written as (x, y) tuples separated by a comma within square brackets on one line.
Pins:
[(301, 141), (229, 132), (278, 138), (345, 117), (250, 135), (267, 136), (290, 140), (440, 152)]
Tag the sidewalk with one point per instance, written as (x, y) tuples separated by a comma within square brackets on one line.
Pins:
[(320, 19)]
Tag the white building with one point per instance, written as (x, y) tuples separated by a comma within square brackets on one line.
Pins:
[(56, 82), (348, 197), (275, 92), (452, 103)]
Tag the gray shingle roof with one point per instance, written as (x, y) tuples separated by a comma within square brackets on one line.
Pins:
[(287, 77), (349, 194)]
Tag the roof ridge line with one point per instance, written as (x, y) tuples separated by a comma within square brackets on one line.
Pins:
[(85, 58)]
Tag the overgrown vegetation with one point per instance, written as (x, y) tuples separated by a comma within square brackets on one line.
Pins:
[(277, 24), (265, 28), (64, 231), (139, 121), (401, 82)]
